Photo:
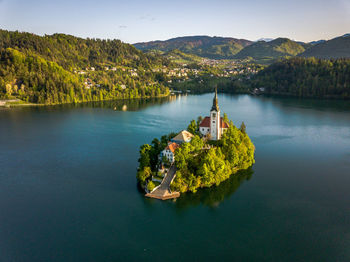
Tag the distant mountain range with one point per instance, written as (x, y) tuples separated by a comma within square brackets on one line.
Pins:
[(265, 50), (338, 47), (265, 39), (204, 46)]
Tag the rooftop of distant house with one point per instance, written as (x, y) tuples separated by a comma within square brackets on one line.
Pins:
[(172, 147), (183, 136)]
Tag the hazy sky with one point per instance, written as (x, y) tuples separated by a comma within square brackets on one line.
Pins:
[(136, 20)]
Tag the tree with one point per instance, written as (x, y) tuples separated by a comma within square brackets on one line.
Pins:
[(144, 174), (165, 161), (150, 186), (226, 120), (243, 128), (192, 128), (145, 158), (199, 120)]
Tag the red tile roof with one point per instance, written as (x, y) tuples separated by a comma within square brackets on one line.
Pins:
[(206, 122), (172, 147)]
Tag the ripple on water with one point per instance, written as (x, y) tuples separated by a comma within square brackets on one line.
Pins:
[(270, 138)]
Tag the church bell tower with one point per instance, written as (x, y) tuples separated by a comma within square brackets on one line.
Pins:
[(215, 118)]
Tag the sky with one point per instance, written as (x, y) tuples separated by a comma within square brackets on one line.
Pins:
[(146, 20)]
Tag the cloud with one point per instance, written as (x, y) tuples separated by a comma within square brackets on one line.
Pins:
[(120, 27)]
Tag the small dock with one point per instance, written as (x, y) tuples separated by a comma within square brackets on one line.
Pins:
[(163, 192), (165, 196)]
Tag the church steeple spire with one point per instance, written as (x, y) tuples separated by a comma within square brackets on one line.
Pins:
[(215, 106)]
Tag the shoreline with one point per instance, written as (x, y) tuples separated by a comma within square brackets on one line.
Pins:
[(15, 103)]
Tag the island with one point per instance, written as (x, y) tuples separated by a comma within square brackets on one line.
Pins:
[(204, 155)]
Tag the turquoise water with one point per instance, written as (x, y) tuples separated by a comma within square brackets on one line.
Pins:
[(68, 189)]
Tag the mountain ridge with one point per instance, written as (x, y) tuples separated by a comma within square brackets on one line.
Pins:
[(263, 51), (204, 46), (338, 47)]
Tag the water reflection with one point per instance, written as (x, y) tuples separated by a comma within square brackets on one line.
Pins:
[(210, 197), (118, 105), (213, 196), (326, 105)]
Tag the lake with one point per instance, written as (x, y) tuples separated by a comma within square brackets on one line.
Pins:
[(68, 188)]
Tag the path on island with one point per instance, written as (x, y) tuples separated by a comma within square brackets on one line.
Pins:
[(163, 192)]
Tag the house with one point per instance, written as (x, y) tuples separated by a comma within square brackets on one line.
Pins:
[(169, 152), (183, 137), (88, 83), (213, 125)]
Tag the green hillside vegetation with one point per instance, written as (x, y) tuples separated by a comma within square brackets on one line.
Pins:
[(203, 46), (266, 52), (71, 52), (182, 58), (44, 69), (205, 84), (306, 77), (336, 48)]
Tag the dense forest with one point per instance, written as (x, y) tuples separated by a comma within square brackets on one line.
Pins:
[(338, 47), (297, 76), (267, 52), (203, 46), (64, 69), (207, 83), (306, 77)]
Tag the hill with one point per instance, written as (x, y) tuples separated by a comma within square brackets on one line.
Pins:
[(204, 46), (306, 77), (265, 52), (182, 58), (338, 47), (62, 69)]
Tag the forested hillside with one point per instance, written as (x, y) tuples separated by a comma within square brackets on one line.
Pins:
[(204, 46), (306, 77), (63, 69), (265, 52), (338, 47)]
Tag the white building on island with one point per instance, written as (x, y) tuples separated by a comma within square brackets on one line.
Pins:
[(169, 152), (213, 125)]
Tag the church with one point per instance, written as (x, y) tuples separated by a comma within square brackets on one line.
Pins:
[(213, 125)]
